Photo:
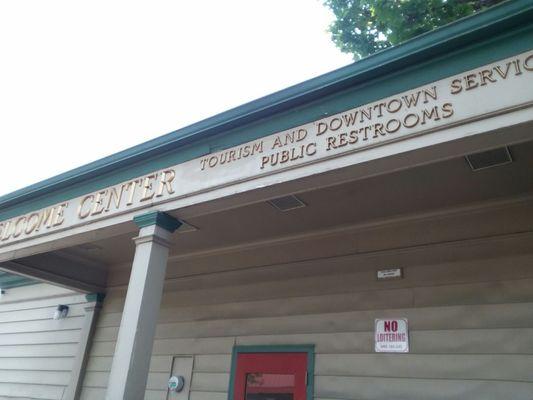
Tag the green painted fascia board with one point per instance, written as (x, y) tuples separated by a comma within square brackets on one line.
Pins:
[(289, 348), (158, 218), (8, 280), (497, 33), (95, 297)]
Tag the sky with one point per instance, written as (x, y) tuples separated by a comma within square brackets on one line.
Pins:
[(80, 80)]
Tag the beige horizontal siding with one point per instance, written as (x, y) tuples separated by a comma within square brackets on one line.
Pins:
[(40, 313), (36, 363), (198, 395), (41, 325), (40, 350), (515, 315), (349, 387), (427, 366), (31, 391), (452, 341), (46, 337), (322, 277), (400, 240), (103, 363), (37, 352), (470, 322)]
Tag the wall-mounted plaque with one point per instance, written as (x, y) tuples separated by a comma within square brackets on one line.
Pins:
[(391, 336)]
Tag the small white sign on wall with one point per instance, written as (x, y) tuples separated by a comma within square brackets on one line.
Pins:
[(391, 336)]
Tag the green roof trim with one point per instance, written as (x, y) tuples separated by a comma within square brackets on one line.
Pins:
[(95, 297), (499, 32), (161, 219), (8, 280)]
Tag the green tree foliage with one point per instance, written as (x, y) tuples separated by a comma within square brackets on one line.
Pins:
[(363, 27)]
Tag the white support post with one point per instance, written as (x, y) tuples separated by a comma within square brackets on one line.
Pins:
[(131, 362)]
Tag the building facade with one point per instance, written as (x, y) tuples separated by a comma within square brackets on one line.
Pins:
[(39, 349), (367, 234)]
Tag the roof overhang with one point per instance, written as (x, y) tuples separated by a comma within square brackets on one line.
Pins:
[(497, 33), (184, 166)]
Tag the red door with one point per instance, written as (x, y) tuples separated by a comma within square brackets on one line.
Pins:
[(270, 376)]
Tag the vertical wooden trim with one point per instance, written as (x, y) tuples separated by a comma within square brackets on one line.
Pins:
[(77, 374)]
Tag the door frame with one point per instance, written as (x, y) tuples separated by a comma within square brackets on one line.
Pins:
[(304, 348)]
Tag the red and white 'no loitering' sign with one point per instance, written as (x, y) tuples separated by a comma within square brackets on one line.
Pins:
[(391, 336)]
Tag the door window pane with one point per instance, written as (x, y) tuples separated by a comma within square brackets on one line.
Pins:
[(261, 386)]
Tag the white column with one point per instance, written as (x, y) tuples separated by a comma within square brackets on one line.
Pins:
[(129, 371)]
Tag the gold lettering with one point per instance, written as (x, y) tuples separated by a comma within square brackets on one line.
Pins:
[(343, 139), (366, 113), (82, 214), (365, 130), (486, 75), (284, 157), (7, 233), (322, 127), (335, 124), (277, 143), (353, 136), (165, 182), (331, 143), (411, 100), (500, 72), (302, 134), (378, 130), (349, 119), (264, 161), (289, 138), (296, 153), (223, 158), (456, 86), (59, 217), (396, 108), (430, 93), (526, 63), (257, 147), (414, 120), (213, 161), (432, 115), (131, 191), (380, 109), (98, 204), (310, 149), (393, 129), (33, 222), (46, 218), (114, 197), (447, 109), (18, 228), (516, 64), (470, 82), (147, 192)]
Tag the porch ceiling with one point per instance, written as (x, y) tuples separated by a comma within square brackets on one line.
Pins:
[(435, 189), (439, 186)]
